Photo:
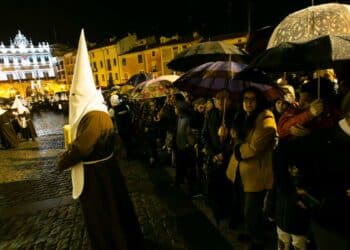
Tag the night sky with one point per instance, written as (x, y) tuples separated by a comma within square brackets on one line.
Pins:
[(61, 20)]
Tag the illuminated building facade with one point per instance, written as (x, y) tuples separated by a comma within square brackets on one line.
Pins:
[(22, 61)]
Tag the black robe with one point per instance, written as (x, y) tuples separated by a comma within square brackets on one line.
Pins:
[(108, 211), (7, 133)]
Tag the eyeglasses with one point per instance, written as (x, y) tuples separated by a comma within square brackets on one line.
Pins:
[(249, 99)]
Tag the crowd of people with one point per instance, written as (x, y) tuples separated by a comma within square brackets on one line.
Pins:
[(254, 160), (16, 124)]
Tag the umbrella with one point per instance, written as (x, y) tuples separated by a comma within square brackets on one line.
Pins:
[(138, 78), (207, 52), (319, 53), (258, 40), (209, 78), (323, 19), (123, 89), (154, 88)]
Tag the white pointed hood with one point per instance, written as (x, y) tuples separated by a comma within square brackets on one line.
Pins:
[(83, 96), (17, 104)]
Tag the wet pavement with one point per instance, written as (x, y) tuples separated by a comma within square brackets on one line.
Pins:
[(37, 211)]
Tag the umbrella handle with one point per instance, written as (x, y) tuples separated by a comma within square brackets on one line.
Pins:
[(224, 113), (318, 86)]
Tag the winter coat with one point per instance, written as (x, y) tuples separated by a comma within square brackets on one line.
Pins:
[(255, 165)]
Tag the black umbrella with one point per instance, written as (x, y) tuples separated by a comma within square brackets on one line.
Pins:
[(304, 56), (210, 51)]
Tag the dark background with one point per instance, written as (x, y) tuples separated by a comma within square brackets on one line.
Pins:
[(61, 20)]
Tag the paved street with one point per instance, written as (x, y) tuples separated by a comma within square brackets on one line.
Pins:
[(37, 211)]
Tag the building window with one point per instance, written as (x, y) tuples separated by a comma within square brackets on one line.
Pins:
[(101, 64), (46, 58), (140, 59), (19, 60), (38, 59), (114, 62), (154, 68), (110, 76), (116, 76), (124, 61), (31, 59), (107, 51), (93, 55), (46, 75), (95, 67), (96, 79), (109, 67), (9, 77), (1, 60), (28, 75), (153, 53), (10, 60), (103, 78), (175, 50)]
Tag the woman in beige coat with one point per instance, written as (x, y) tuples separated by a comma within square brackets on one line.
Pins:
[(251, 163)]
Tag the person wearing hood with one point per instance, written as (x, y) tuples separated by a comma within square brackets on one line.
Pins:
[(97, 180), (26, 126), (8, 136)]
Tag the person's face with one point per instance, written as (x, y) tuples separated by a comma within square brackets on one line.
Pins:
[(249, 102), (217, 103), (201, 108), (304, 100), (209, 105), (281, 106)]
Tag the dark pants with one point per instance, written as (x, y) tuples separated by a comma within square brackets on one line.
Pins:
[(185, 166), (253, 215)]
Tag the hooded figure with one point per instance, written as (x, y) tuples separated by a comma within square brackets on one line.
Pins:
[(25, 124), (97, 180), (8, 135)]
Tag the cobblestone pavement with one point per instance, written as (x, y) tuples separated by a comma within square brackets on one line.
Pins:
[(37, 212)]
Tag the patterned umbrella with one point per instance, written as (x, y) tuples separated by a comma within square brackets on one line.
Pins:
[(209, 78), (207, 52), (154, 88), (305, 24)]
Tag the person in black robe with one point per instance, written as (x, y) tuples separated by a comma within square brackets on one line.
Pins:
[(7, 133)]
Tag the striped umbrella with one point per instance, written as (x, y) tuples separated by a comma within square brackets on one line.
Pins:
[(209, 78)]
